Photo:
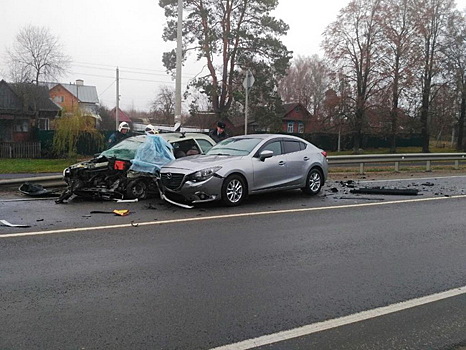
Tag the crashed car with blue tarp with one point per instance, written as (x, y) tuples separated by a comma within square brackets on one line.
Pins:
[(130, 169)]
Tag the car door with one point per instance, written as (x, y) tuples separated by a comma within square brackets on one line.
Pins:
[(297, 161), (271, 172)]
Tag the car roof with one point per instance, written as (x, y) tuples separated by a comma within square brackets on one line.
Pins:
[(270, 136), (176, 136)]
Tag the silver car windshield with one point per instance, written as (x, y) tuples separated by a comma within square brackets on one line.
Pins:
[(234, 146), (125, 150)]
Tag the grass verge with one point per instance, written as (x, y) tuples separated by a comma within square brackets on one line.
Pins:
[(33, 166)]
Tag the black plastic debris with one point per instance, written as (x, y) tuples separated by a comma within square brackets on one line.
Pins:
[(35, 190), (387, 191), (349, 183), (119, 212)]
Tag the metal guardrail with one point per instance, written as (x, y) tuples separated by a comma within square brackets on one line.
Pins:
[(351, 160), (396, 159)]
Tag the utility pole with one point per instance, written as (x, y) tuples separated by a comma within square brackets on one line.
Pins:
[(117, 98), (248, 82), (179, 53)]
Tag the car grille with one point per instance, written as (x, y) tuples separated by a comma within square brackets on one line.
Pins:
[(171, 180)]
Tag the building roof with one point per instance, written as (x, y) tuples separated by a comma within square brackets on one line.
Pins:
[(84, 93), (122, 116), (295, 111), (35, 97), (9, 100)]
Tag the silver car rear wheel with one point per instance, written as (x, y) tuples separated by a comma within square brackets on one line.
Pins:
[(233, 190), (314, 182)]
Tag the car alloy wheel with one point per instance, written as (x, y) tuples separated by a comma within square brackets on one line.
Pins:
[(313, 182), (233, 190)]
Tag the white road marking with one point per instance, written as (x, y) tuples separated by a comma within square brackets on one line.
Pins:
[(220, 217), (338, 322)]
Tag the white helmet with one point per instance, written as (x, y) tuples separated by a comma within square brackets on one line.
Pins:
[(150, 130), (123, 125)]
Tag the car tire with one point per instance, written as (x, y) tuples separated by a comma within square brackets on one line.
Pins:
[(314, 182), (234, 190), (136, 189)]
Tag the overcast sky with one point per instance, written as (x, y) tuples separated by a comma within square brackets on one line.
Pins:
[(101, 35)]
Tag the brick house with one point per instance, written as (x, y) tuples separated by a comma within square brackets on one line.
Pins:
[(76, 97)]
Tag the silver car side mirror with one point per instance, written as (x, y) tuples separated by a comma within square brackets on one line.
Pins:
[(265, 154)]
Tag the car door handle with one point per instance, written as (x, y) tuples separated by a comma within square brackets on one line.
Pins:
[(281, 162), (306, 158)]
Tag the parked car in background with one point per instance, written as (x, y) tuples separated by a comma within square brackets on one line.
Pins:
[(243, 165), (130, 169)]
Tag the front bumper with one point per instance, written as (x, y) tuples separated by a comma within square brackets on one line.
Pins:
[(190, 192)]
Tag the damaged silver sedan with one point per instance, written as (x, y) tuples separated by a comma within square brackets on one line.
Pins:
[(130, 169), (243, 165)]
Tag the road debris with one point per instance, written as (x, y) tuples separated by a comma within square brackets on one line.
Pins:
[(387, 191), (6, 223), (127, 200), (36, 190), (119, 212), (364, 198)]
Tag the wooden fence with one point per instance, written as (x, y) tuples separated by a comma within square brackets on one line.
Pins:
[(20, 149)]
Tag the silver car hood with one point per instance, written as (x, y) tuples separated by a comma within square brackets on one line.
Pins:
[(199, 162)]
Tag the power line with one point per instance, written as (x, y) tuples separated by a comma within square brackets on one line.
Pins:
[(112, 77), (108, 87), (132, 72), (113, 67)]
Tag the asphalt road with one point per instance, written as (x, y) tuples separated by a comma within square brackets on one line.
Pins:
[(169, 278)]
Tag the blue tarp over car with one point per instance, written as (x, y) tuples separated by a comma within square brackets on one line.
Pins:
[(152, 155)]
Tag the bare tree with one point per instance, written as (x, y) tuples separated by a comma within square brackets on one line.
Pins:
[(431, 17), (306, 82), (400, 57), (352, 43), (36, 54), (164, 105), (455, 50)]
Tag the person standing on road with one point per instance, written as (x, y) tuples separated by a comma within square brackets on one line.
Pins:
[(119, 135), (219, 133)]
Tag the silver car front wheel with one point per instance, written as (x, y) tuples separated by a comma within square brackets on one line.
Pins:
[(233, 190)]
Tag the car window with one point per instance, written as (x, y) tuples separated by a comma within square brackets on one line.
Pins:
[(235, 146), (204, 144), (181, 148), (291, 146), (275, 147)]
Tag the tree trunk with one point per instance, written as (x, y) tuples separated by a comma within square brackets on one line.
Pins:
[(459, 143), (425, 134)]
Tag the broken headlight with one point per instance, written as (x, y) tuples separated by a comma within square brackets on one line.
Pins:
[(204, 174)]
